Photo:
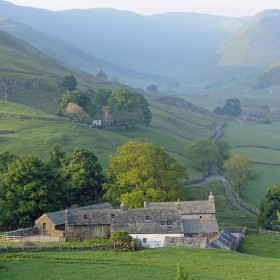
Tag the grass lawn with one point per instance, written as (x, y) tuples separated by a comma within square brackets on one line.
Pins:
[(261, 245), (268, 175), (160, 263)]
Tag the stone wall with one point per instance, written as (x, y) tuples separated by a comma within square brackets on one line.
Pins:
[(193, 242), (23, 232)]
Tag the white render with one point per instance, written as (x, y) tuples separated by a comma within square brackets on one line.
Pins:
[(154, 240)]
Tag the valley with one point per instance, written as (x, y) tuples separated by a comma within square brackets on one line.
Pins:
[(146, 85)]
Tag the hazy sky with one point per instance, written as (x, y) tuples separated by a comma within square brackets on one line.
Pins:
[(148, 7)]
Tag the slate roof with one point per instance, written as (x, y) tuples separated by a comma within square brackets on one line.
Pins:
[(187, 207), (58, 217), (226, 238), (194, 226), (134, 221)]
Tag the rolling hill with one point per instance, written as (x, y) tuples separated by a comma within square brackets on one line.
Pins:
[(251, 48), (160, 44), (30, 77), (75, 57)]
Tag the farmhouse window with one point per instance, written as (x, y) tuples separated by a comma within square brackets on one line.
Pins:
[(85, 217), (144, 240), (112, 216), (200, 217), (168, 222), (162, 223), (147, 218), (44, 226), (169, 228)]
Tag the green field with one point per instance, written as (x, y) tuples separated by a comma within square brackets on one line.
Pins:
[(260, 143), (208, 264), (37, 136)]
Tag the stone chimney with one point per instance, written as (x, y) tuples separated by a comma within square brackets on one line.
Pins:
[(145, 204), (178, 204), (211, 197), (122, 207)]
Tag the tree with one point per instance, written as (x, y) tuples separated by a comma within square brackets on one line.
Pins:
[(83, 175), (270, 208), (153, 89), (121, 238), (232, 107), (107, 116), (70, 82), (56, 156), (205, 153), (102, 75), (5, 159), (28, 189), (79, 98), (100, 98), (76, 113), (238, 169), (219, 111), (143, 170), (130, 108)]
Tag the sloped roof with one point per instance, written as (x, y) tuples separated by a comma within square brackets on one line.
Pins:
[(226, 238), (200, 226), (58, 217), (134, 221), (187, 207)]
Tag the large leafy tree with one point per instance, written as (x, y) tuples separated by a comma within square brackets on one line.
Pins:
[(83, 175), (5, 159), (77, 97), (140, 171), (231, 108), (238, 169), (204, 153), (270, 207), (29, 188), (130, 108), (70, 82)]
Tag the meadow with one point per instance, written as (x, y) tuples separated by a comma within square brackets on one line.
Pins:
[(261, 144), (208, 264), (37, 136)]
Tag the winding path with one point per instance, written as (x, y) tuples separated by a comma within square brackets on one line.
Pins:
[(215, 177)]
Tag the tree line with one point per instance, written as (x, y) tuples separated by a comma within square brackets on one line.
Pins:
[(138, 171), (120, 107)]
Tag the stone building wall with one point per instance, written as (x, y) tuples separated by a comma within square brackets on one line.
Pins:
[(77, 233), (46, 227), (193, 242)]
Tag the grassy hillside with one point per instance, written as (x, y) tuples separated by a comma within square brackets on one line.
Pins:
[(30, 77), (256, 44), (204, 264), (261, 143), (27, 135), (144, 41), (75, 57)]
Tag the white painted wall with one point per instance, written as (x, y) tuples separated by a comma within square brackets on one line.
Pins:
[(154, 240)]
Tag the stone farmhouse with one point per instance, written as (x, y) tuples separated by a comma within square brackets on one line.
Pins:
[(181, 223)]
